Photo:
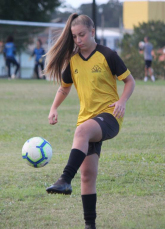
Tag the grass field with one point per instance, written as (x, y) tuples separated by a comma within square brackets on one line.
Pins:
[(131, 180)]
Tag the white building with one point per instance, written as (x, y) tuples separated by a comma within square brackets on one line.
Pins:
[(110, 37)]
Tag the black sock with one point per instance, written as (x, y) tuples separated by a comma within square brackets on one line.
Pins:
[(89, 206), (76, 158)]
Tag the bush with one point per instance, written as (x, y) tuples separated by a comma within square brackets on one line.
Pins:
[(130, 53), (135, 63)]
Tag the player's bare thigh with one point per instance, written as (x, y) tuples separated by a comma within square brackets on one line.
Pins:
[(89, 130)]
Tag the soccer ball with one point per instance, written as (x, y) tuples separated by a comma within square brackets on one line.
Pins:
[(37, 152), (141, 45)]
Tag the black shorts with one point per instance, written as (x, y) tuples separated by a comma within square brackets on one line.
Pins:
[(148, 63), (109, 127)]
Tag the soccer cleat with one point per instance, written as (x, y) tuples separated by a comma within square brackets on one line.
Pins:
[(60, 187), (145, 79), (13, 76), (90, 227), (153, 78)]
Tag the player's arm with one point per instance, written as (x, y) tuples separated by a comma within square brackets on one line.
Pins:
[(4, 52), (61, 94), (43, 52), (14, 50), (120, 70), (33, 53), (120, 105)]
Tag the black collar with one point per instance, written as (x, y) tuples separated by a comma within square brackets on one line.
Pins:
[(89, 55)]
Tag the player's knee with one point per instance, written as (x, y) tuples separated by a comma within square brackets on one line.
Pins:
[(80, 132), (88, 176)]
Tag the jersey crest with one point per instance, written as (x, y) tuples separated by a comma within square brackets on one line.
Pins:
[(96, 68)]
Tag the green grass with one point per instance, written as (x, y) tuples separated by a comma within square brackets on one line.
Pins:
[(131, 180)]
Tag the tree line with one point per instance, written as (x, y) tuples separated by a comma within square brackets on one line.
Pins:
[(46, 10)]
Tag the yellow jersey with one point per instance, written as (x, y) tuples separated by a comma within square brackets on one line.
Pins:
[(95, 81)]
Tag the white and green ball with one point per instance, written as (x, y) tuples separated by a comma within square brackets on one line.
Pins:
[(141, 45), (37, 152)]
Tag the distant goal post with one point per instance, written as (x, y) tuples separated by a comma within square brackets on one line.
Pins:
[(25, 35)]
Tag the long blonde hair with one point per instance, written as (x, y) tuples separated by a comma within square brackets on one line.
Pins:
[(58, 57)]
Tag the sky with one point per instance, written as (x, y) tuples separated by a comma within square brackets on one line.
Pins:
[(77, 3)]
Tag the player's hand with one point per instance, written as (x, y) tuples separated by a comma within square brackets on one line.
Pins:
[(30, 58), (119, 110), (40, 60), (53, 117)]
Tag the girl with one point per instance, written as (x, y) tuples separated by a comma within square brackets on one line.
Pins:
[(77, 59), (9, 54), (38, 52)]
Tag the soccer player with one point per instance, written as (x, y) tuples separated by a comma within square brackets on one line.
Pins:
[(9, 54), (77, 59), (147, 48), (38, 52)]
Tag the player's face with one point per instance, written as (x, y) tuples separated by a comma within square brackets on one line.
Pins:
[(145, 39), (83, 37), (38, 44)]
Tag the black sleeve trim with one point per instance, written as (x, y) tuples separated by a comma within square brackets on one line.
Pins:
[(66, 75), (115, 63)]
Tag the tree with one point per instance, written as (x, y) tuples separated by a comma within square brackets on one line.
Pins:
[(87, 9), (25, 10), (155, 30), (63, 12), (113, 13)]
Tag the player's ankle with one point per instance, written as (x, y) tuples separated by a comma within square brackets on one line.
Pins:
[(66, 179)]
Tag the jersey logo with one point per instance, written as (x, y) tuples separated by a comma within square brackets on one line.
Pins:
[(102, 119), (75, 71), (96, 68)]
